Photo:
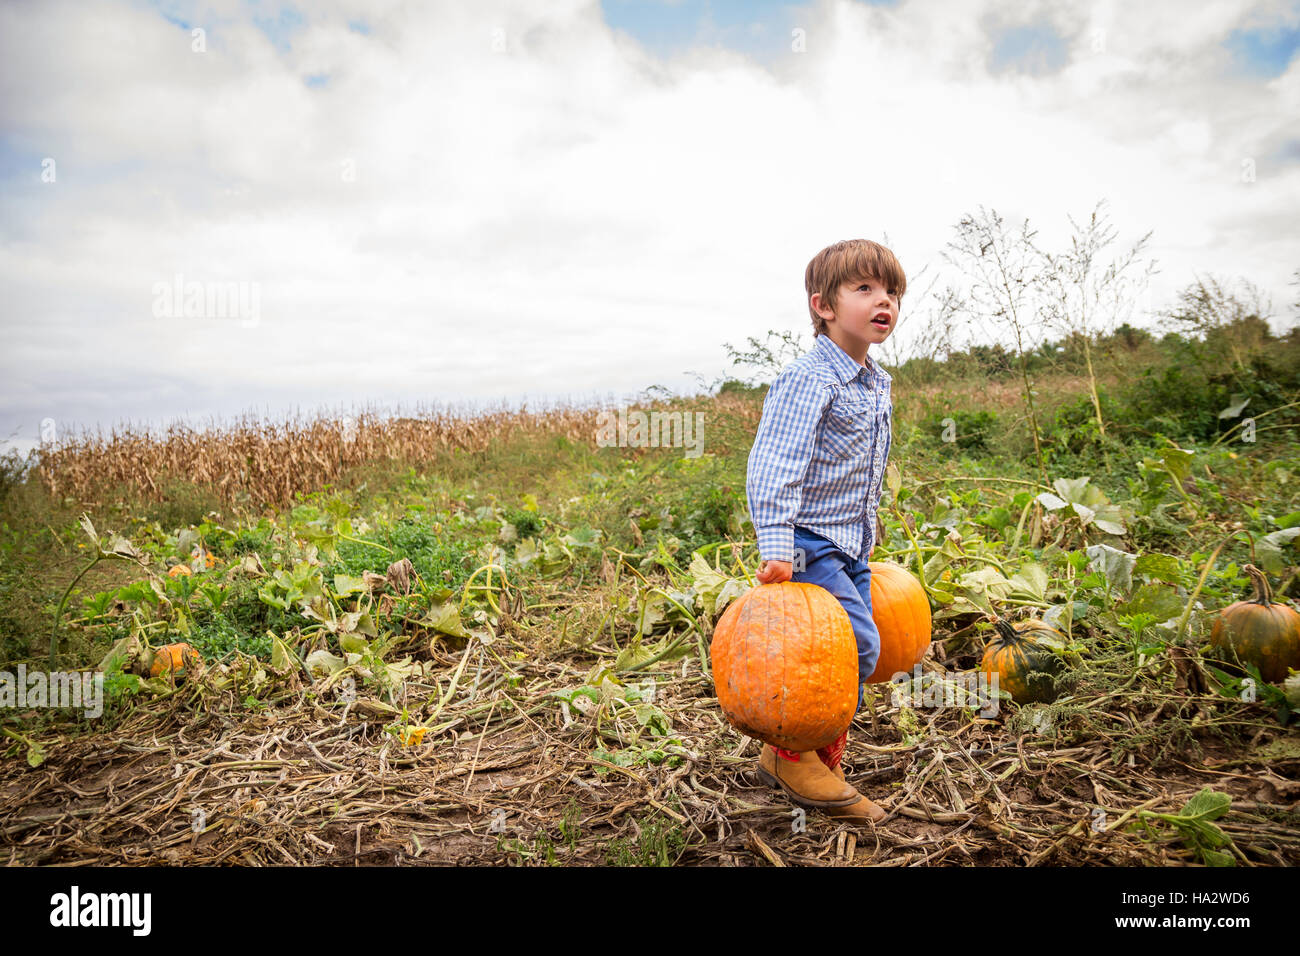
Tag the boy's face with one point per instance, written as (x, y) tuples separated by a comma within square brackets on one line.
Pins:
[(865, 312)]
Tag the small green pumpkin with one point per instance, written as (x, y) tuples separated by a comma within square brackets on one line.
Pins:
[(1025, 668)]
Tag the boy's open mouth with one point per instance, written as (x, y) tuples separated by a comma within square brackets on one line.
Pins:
[(880, 322)]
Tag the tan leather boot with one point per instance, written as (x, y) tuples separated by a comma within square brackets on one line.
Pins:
[(862, 809), (833, 755), (806, 781)]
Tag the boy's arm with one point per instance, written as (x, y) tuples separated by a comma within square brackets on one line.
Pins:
[(779, 460)]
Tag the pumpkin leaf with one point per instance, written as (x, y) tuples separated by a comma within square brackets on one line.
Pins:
[(1116, 565), (346, 585), (1193, 824), (1030, 580), (155, 685), (1110, 520), (125, 655), (633, 655), (1178, 461), (283, 659), (1208, 804), (358, 622), (1154, 599), (1162, 567), (982, 587), (88, 526), (556, 558), (1269, 549), (942, 594), (1071, 489), (988, 579), (353, 644), (1216, 857), (125, 549), (584, 537), (399, 672), (526, 551), (714, 590), (1063, 616), (1050, 501), (444, 617), (321, 663), (35, 752)]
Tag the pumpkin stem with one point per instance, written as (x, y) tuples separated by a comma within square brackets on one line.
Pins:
[(1005, 631), (1263, 593)]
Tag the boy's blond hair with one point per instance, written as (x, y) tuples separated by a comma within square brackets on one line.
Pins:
[(849, 261)]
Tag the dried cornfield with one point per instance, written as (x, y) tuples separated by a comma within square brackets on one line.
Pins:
[(263, 464)]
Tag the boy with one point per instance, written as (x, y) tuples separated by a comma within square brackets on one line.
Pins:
[(815, 475)]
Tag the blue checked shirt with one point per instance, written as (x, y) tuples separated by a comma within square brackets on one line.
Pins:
[(819, 457)]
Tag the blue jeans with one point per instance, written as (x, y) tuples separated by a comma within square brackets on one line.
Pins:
[(849, 579)]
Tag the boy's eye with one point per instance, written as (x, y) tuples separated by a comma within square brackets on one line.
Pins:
[(867, 285)]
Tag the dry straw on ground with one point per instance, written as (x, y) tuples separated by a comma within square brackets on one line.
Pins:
[(194, 778)]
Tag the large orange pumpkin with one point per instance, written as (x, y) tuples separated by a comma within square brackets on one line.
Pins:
[(1259, 631), (901, 612), (785, 665)]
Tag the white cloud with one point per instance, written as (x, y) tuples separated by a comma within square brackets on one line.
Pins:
[(571, 215)]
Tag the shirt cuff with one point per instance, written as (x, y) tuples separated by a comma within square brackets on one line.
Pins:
[(776, 543)]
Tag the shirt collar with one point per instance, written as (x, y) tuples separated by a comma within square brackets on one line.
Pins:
[(845, 368)]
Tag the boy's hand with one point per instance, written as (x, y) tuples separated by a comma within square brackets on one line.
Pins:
[(774, 572)]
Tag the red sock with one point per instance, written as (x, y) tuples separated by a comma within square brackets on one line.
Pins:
[(832, 752), (789, 755)]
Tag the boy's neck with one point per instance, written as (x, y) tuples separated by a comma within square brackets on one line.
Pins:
[(863, 359)]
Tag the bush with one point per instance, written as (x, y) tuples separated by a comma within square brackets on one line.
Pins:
[(528, 524), (13, 472), (971, 431)]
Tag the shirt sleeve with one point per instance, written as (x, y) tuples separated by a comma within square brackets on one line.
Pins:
[(779, 460), (889, 443), (884, 469)]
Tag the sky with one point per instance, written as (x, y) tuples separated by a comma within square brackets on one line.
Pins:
[(217, 209)]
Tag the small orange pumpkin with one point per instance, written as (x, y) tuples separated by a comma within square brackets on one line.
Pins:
[(1260, 631), (177, 659), (1025, 667), (901, 612), (179, 571), (785, 665)]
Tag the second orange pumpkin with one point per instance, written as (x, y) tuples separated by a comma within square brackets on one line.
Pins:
[(901, 612)]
